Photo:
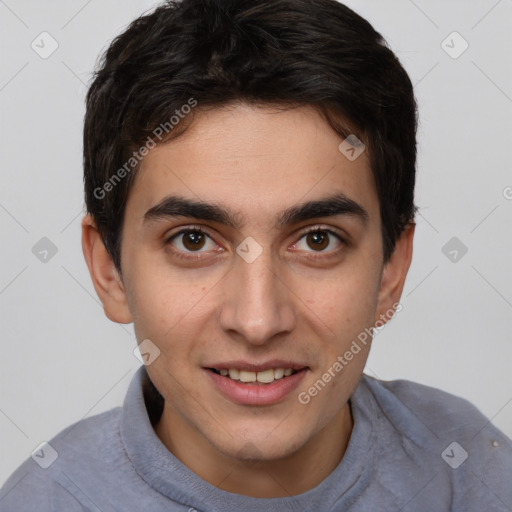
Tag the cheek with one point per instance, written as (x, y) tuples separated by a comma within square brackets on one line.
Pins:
[(346, 302), (167, 314), (163, 299)]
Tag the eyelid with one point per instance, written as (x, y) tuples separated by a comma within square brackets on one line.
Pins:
[(340, 234), (323, 227), (302, 232), (187, 229), (343, 238)]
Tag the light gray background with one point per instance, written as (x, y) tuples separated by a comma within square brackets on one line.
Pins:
[(62, 359)]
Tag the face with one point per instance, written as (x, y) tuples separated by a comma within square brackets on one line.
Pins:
[(252, 245)]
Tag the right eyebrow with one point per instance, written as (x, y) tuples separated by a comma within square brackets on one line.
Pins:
[(175, 206)]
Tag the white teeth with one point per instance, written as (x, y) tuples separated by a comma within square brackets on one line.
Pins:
[(246, 376), (265, 376), (278, 373)]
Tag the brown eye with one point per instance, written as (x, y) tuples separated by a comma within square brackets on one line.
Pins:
[(318, 240), (192, 240)]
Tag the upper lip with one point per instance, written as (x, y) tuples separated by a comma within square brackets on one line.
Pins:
[(257, 367)]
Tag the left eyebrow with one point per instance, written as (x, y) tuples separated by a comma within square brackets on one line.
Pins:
[(175, 206), (337, 204)]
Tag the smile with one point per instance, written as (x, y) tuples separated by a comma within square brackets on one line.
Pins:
[(262, 377), (260, 386)]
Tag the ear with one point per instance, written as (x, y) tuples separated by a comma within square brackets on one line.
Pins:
[(394, 274), (105, 277)]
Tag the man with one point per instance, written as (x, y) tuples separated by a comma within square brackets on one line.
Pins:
[(249, 178)]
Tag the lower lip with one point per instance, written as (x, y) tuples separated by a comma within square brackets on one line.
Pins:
[(256, 394)]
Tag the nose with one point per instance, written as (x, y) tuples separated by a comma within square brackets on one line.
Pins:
[(257, 304)]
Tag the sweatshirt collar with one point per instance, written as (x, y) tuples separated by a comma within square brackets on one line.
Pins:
[(162, 471)]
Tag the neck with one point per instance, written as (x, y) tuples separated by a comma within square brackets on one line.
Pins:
[(294, 474)]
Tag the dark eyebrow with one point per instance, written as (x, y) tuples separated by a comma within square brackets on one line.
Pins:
[(337, 204), (175, 206)]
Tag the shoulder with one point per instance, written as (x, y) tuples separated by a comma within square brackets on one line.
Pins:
[(438, 411), (448, 435), (42, 481)]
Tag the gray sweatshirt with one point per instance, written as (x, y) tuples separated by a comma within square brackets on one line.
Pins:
[(413, 448)]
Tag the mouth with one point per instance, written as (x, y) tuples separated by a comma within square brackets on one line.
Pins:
[(250, 384), (263, 377)]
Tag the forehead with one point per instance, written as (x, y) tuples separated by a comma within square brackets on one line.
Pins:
[(254, 161)]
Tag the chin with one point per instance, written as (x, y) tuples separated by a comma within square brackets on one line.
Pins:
[(259, 447)]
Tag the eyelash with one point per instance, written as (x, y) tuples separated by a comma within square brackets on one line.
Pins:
[(187, 255), (196, 255), (321, 254)]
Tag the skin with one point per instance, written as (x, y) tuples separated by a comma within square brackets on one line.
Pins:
[(216, 307)]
